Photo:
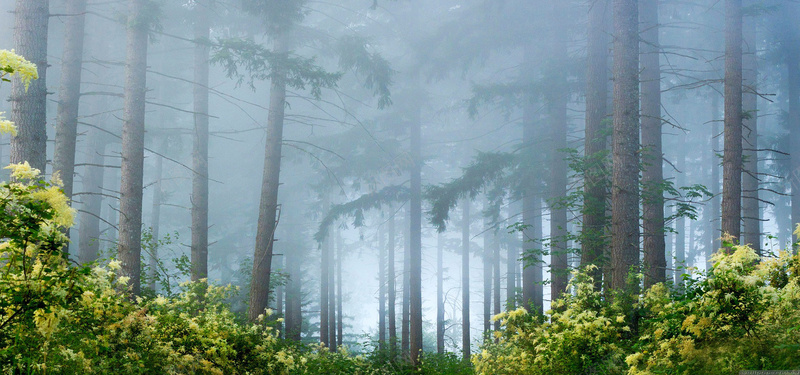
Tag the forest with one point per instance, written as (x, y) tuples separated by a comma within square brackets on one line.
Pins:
[(357, 186)]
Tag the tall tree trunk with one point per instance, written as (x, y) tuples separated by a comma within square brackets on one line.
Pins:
[(714, 222), (155, 222), (732, 154), (294, 295), (557, 103), (487, 275), (416, 235), (324, 286), (332, 291), (339, 295), (655, 262), (89, 234), (497, 278), (29, 105), (511, 263), (465, 255), (792, 47), (69, 93), (381, 290), (268, 208), (532, 288), (593, 239), (200, 142), (680, 224), (751, 231), (625, 182), (405, 343), (392, 277), (440, 293), (130, 205)]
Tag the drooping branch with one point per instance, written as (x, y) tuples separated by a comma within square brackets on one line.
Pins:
[(486, 169), (356, 208)]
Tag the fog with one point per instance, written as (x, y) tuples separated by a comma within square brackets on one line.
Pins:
[(497, 93)]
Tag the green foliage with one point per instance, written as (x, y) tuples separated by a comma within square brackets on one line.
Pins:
[(259, 63), (356, 208), (279, 15), (743, 315), (354, 54), (486, 169)]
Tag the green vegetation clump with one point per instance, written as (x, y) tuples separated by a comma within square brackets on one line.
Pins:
[(743, 315)]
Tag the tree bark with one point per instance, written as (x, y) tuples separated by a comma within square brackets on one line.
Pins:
[(440, 293), (268, 208), (557, 103), (416, 235), (714, 223), (751, 216), (792, 47), (497, 278), (392, 277), (487, 275), (69, 94), (405, 331), (89, 234), (130, 206), (465, 255), (199, 246), (381, 290), (625, 181), (593, 239), (332, 292), (29, 107), (324, 277), (655, 262), (532, 289), (155, 222), (680, 225), (339, 295), (732, 154)]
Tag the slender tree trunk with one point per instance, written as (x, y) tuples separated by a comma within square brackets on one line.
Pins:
[(751, 231), (392, 277), (465, 255), (714, 222), (29, 106), (497, 278), (793, 77), (324, 293), (340, 296), (332, 292), (593, 239), (130, 205), (381, 290), (89, 234), (732, 154), (405, 343), (294, 295), (440, 293), (652, 154), (155, 222), (69, 94), (200, 143), (625, 182), (487, 275), (416, 235), (532, 288), (511, 274), (279, 305), (680, 224), (559, 97), (268, 208)]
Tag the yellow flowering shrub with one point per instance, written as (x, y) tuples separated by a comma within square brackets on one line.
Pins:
[(11, 63), (743, 316), (581, 334)]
